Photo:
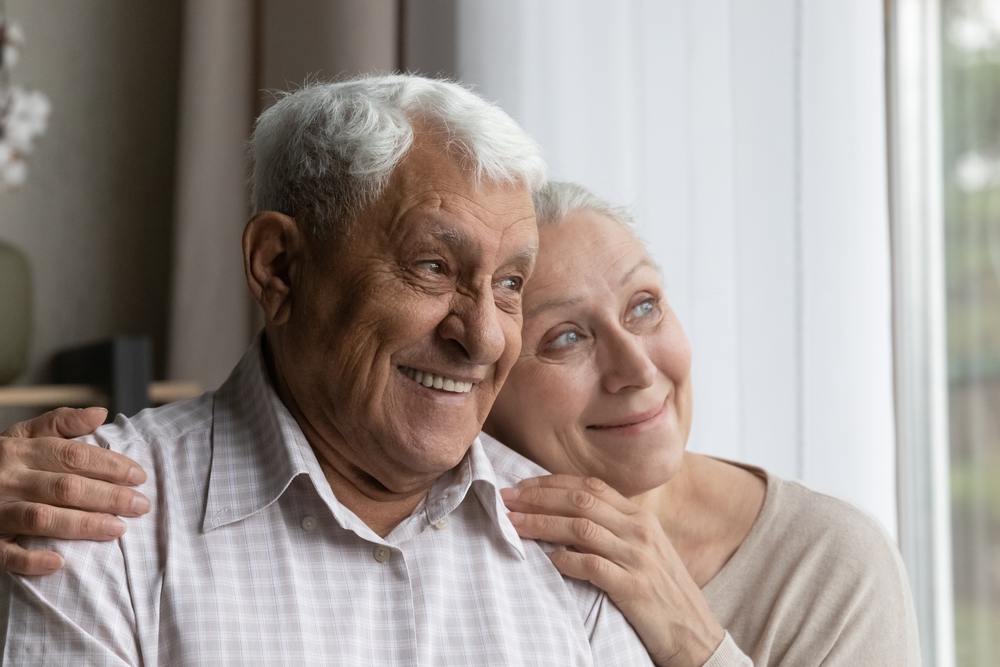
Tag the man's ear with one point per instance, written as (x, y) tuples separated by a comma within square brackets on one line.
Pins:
[(272, 258)]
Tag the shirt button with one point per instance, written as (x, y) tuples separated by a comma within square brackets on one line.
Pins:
[(309, 523), (440, 524), (381, 554)]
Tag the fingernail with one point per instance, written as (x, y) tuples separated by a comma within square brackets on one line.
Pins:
[(53, 562), (114, 527), (136, 475), (140, 504), (509, 494), (531, 481), (515, 518)]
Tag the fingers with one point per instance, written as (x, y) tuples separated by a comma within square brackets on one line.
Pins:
[(67, 490), (26, 518), (578, 532), (592, 485), (14, 558), (69, 456), (601, 572), (61, 422), (570, 503)]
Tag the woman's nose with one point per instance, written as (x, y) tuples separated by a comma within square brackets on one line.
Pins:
[(625, 363)]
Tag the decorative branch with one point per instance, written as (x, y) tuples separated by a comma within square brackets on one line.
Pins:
[(24, 113)]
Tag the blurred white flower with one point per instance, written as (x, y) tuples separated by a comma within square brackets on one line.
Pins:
[(14, 35), (13, 174), (24, 114), (11, 55)]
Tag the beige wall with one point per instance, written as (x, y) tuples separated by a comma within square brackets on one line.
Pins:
[(95, 215), (325, 38)]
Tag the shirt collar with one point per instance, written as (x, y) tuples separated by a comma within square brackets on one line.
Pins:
[(258, 449)]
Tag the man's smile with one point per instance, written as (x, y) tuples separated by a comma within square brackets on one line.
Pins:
[(434, 381)]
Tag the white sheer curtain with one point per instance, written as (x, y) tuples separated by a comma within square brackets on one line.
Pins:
[(750, 136)]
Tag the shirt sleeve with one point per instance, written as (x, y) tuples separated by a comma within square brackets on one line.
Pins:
[(81, 615), (613, 641)]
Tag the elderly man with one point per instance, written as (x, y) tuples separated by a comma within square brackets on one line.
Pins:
[(332, 502)]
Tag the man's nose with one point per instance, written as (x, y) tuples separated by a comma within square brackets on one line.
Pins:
[(624, 363), (474, 325)]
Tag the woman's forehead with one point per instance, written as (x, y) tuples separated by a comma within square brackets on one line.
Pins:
[(581, 256)]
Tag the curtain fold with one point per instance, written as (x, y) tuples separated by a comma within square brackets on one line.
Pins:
[(210, 318), (233, 52)]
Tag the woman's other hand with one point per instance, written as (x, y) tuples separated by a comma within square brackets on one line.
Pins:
[(56, 487), (622, 549)]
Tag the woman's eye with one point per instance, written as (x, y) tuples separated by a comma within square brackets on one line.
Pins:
[(644, 308), (565, 339)]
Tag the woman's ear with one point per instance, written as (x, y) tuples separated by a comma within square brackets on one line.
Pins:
[(272, 255)]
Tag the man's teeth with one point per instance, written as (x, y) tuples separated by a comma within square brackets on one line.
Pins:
[(437, 381)]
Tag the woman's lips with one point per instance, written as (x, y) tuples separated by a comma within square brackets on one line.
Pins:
[(632, 420)]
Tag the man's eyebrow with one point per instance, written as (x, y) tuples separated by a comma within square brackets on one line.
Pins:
[(454, 238), (459, 240), (524, 256)]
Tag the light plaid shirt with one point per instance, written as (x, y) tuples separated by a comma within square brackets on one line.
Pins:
[(248, 558)]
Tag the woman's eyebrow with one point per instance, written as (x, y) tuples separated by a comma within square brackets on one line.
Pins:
[(553, 303), (628, 276)]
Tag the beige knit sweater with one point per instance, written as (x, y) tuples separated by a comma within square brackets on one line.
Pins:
[(817, 581)]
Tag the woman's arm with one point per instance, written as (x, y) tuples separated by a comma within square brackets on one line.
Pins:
[(55, 487), (622, 549)]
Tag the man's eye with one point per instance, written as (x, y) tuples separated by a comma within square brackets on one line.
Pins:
[(512, 284), (432, 266), (565, 339)]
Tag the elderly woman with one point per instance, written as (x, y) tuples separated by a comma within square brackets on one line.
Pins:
[(713, 562)]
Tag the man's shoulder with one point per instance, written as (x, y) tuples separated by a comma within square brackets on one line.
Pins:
[(509, 466), (160, 427)]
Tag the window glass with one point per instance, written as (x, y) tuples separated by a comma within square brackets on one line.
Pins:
[(971, 151)]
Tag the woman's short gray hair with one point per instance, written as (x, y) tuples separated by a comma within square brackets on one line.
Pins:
[(324, 151), (557, 199)]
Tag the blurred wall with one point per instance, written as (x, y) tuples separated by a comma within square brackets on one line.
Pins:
[(95, 215)]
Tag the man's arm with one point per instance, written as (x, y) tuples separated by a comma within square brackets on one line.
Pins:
[(81, 615), (56, 487)]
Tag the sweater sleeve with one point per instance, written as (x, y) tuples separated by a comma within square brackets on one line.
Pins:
[(729, 655)]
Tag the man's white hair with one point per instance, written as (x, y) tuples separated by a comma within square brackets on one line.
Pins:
[(322, 152), (557, 199)]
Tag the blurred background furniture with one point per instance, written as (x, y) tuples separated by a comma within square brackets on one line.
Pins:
[(114, 374)]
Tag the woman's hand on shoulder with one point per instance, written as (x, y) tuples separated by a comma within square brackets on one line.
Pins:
[(621, 548), (57, 487)]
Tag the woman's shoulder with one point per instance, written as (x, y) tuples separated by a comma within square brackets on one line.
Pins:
[(816, 576), (825, 526)]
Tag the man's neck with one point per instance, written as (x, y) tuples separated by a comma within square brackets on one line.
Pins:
[(380, 508)]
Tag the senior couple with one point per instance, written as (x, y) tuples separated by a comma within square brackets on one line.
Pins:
[(335, 502)]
